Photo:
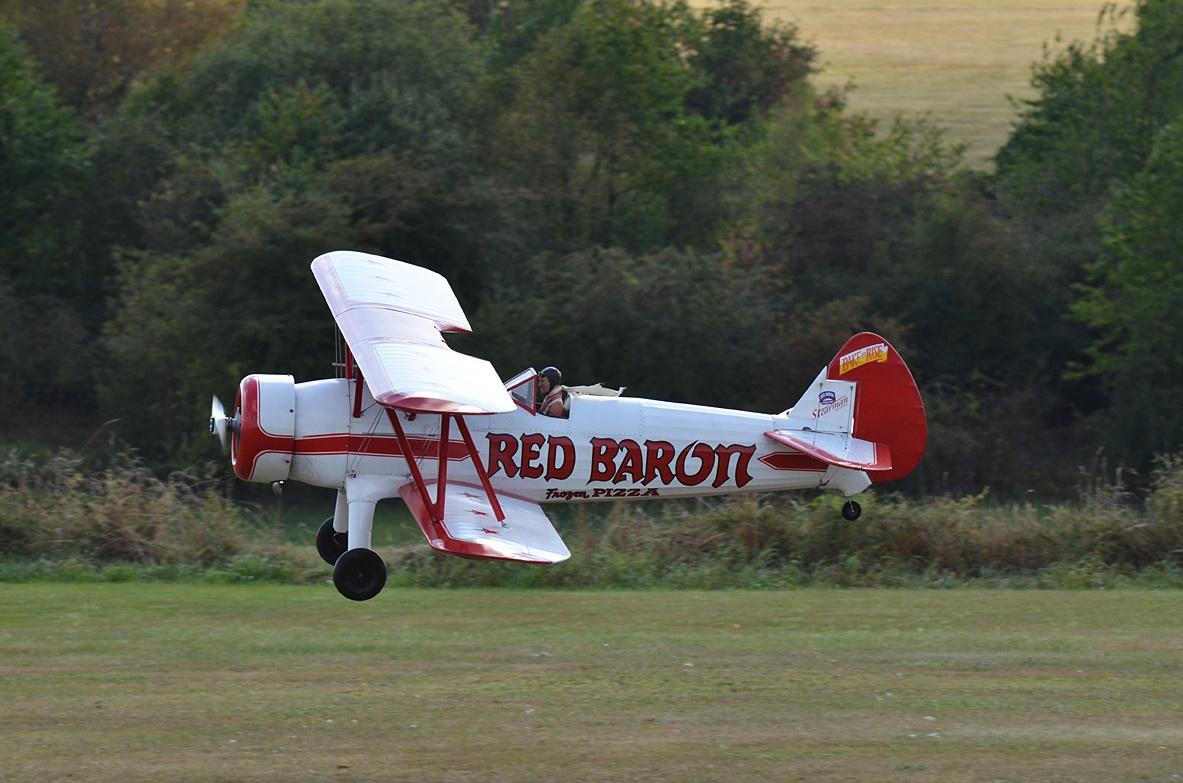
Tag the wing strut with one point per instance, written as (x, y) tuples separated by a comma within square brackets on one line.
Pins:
[(353, 373), (436, 508), (480, 469), (357, 388)]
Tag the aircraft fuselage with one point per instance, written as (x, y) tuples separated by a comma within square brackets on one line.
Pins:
[(608, 448)]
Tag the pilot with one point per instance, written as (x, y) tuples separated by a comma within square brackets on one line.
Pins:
[(553, 398)]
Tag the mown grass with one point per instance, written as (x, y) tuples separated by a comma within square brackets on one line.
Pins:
[(956, 60), (216, 683), (118, 522)]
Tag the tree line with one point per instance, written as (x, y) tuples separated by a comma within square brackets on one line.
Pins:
[(643, 193)]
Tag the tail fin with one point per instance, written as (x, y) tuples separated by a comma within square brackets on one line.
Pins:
[(867, 392)]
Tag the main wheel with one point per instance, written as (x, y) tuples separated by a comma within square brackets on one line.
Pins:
[(330, 544), (359, 574), (851, 510)]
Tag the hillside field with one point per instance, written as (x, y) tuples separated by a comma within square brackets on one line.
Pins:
[(957, 60), (186, 682)]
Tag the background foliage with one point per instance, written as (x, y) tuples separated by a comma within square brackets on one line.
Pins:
[(642, 193)]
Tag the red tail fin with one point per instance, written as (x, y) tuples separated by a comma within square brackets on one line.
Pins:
[(888, 408)]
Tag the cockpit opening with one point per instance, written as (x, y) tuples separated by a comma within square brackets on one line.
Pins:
[(543, 393)]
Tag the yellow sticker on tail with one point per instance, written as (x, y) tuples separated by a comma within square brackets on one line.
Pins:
[(872, 353)]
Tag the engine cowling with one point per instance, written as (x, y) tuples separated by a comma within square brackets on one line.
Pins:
[(261, 445)]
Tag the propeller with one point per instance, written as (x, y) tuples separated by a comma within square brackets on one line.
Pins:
[(221, 425)]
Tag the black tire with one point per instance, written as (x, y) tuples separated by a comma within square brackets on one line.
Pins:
[(330, 544), (851, 510), (359, 574)]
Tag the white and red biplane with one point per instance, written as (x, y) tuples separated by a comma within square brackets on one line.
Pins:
[(474, 460)]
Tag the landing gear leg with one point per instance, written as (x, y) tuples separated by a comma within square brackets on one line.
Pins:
[(341, 513), (360, 573), (851, 510), (361, 523)]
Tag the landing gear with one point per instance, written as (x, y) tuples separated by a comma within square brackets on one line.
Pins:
[(851, 510), (359, 574), (330, 544)]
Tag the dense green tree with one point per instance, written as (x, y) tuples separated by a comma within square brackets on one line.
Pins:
[(512, 29), (1072, 178), (94, 52), (314, 126), (44, 336), (402, 74), (624, 128), (671, 324), (47, 353), (745, 65), (988, 318), (1098, 107), (841, 194), (190, 325), (598, 115), (1090, 128), (1134, 304), (962, 280), (43, 160), (300, 89)]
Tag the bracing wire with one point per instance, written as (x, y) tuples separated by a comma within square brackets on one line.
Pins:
[(432, 435), (356, 457)]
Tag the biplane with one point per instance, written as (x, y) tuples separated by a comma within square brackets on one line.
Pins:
[(475, 460)]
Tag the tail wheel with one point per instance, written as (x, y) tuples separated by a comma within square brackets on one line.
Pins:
[(330, 544), (851, 510), (359, 574)]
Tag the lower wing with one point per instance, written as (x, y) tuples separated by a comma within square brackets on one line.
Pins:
[(469, 527)]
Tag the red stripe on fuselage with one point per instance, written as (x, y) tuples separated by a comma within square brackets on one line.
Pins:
[(376, 446)]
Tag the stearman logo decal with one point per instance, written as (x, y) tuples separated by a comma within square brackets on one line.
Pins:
[(834, 405), (855, 359)]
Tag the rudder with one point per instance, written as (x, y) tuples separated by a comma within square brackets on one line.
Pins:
[(887, 408)]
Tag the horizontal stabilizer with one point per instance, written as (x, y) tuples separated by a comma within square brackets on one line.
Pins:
[(838, 450), (470, 527)]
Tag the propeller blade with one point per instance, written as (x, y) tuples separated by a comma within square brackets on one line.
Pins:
[(218, 423)]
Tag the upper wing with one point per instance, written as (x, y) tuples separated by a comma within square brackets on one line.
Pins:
[(470, 527), (835, 449), (392, 315)]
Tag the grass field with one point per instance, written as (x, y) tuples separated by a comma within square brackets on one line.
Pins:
[(955, 59), (197, 683)]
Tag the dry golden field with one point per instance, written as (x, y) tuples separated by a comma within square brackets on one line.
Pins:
[(957, 60)]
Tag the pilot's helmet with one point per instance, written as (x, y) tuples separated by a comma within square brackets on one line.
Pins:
[(553, 375)]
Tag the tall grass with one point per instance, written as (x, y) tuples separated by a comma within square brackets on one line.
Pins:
[(60, 508), (1106, 538), (60, 518)]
